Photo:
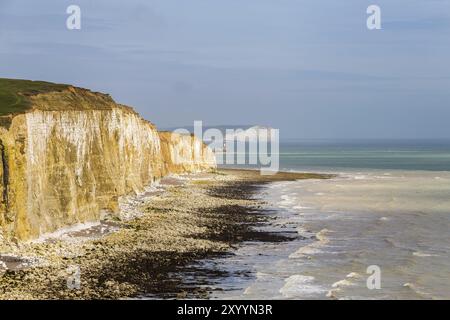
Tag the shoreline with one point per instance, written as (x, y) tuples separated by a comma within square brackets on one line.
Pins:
[(196, 217)]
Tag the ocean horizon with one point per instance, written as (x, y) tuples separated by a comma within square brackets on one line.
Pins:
[(332, 155)]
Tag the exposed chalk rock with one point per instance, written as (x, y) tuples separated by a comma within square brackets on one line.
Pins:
[(185, 153), (72, 153)]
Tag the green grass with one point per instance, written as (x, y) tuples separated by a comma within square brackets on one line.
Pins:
[(13, 93)]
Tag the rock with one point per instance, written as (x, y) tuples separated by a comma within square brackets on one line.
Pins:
[(70, 141)]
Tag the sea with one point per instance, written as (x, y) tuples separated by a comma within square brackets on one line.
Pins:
[(380, 229)]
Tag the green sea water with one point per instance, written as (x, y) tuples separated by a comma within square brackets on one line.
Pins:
[(429, 155)]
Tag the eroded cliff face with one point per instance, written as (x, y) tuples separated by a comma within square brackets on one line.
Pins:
[(73, 154), (185, 153)]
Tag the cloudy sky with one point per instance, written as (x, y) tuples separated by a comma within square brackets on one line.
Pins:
[(308, 67)]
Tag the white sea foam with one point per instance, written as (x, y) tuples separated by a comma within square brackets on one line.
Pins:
[(298, 286), (300, 207), (303, 232), (305, 252), (286, 201), (312, 248), (353, 275), (423, 254), (63, 231), (322, 236), (342, 283), (332, 293), (419, 291)]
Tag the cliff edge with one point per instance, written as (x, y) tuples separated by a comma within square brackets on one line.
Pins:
[(67, 154)]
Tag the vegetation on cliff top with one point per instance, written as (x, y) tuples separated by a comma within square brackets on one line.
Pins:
[(17, 96), (14, 93)]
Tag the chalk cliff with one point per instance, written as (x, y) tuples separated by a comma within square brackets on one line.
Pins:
[(68, 155), (185, 153)]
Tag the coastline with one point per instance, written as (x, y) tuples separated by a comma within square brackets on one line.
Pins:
[(197, 216)]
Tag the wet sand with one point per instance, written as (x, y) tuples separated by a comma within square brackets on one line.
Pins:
[(195, 217)]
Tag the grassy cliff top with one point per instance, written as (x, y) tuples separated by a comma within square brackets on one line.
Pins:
[(18, 96), (14, 93)]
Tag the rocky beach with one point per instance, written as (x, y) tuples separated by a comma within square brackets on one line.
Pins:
[(143, 251)]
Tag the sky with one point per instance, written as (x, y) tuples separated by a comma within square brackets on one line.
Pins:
[(310, 68)]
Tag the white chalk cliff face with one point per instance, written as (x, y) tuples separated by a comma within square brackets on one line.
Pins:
[(73, 154), (185, 153)]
